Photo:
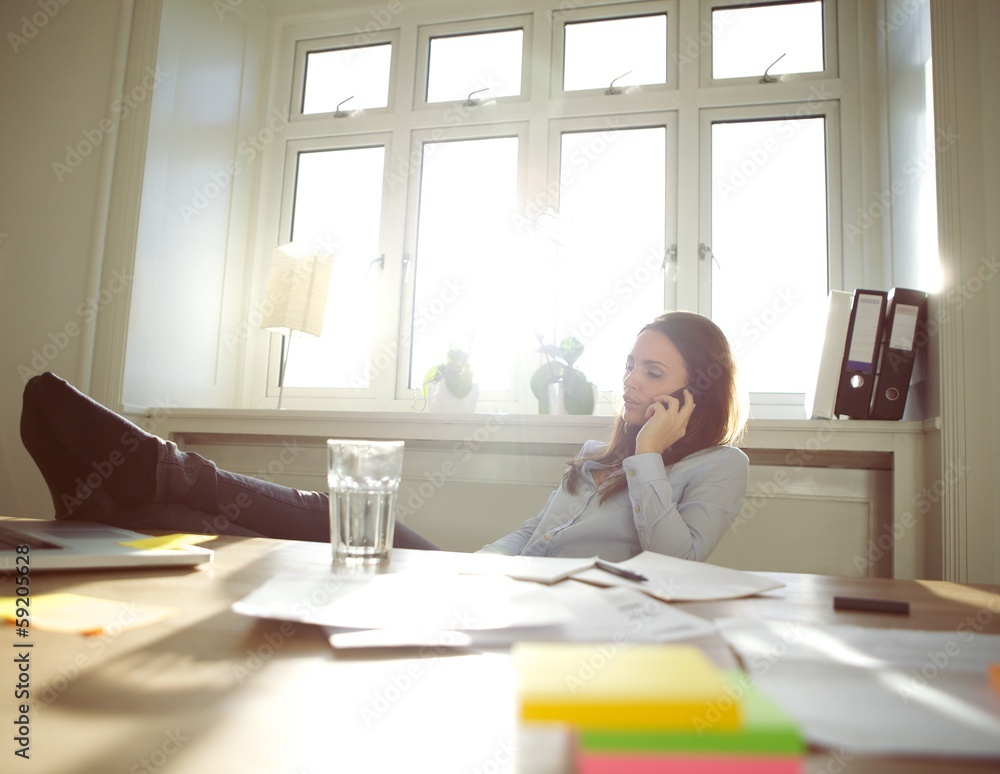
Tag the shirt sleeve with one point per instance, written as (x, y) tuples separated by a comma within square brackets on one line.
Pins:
[(691, 522), (513, 543)]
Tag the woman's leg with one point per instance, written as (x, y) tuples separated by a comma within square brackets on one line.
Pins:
[(100, 466)]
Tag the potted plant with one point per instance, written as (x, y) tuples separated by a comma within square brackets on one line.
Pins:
[(560, 387), (449, 386)]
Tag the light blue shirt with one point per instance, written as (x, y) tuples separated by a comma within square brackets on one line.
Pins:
[(682, 510)]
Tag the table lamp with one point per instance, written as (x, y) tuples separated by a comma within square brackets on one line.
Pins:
[(295, 299)]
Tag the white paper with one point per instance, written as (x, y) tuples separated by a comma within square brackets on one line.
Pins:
[(613, 615), (877, 691), (403, 600), (541, 569), (675, 580)]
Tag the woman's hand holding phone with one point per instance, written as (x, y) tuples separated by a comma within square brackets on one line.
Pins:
[(666, 422)]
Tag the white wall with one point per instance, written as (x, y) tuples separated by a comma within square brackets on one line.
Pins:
[(56, 73)]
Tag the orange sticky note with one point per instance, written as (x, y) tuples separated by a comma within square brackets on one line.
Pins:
[(168, 541), (993, 671), (78, 614)]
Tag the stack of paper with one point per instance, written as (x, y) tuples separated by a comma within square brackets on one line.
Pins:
[(652, 708)]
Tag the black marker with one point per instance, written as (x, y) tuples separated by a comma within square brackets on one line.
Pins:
[(871, 605), (622, 572)]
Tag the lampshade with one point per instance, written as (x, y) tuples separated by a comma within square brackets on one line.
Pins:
[(297, 288)]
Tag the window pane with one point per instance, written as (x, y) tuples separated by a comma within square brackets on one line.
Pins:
[(338, 204), (632, 50), (333, 76), (769, 238), (746, 41), (605, 277), (462, 64), (468, 280)]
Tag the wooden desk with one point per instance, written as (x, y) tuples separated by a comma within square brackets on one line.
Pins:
[(211, 691)]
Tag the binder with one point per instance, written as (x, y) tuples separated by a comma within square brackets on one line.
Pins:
[(823, 400), (905, 330), (857, 371)]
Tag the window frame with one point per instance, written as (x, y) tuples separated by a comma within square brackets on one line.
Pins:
[(774, 404), (669, 120), (562, 17), (304, 47), (427, 32), (831, 59), (293, 148), (418, 139)]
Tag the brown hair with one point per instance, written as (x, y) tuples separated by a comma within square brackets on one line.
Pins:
[(716, 421)]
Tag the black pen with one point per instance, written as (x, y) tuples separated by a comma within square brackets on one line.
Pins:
[(623, 572), (871, 605)]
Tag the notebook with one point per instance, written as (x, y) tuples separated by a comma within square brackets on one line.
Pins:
[(74, 545)]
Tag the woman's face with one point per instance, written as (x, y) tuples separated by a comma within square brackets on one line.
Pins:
[(653, 370)]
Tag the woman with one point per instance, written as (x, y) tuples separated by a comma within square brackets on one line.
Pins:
[(667, 481)]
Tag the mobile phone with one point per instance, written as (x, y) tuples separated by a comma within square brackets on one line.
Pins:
[(679, 394)]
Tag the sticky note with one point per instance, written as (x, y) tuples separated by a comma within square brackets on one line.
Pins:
[(168, 541), (78, 614), (622, 687), (765, 730), (993, 670)]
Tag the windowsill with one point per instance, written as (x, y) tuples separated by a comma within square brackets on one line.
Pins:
[(818, 434)]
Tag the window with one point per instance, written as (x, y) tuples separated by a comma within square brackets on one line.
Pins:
[(479, 60), (770, 40), (768, 260), (336, 75), (487, 64), (464, 280), (483, 211), (633, 51)]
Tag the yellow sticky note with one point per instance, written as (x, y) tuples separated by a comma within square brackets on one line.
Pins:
[(168, 541), (621, 687), (75, 613)]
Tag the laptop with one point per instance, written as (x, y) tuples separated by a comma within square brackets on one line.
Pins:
[(76, 545)]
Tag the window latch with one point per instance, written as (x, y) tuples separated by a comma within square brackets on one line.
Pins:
[(669, 255), (612, 89), (770, 78), (380, 262)]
